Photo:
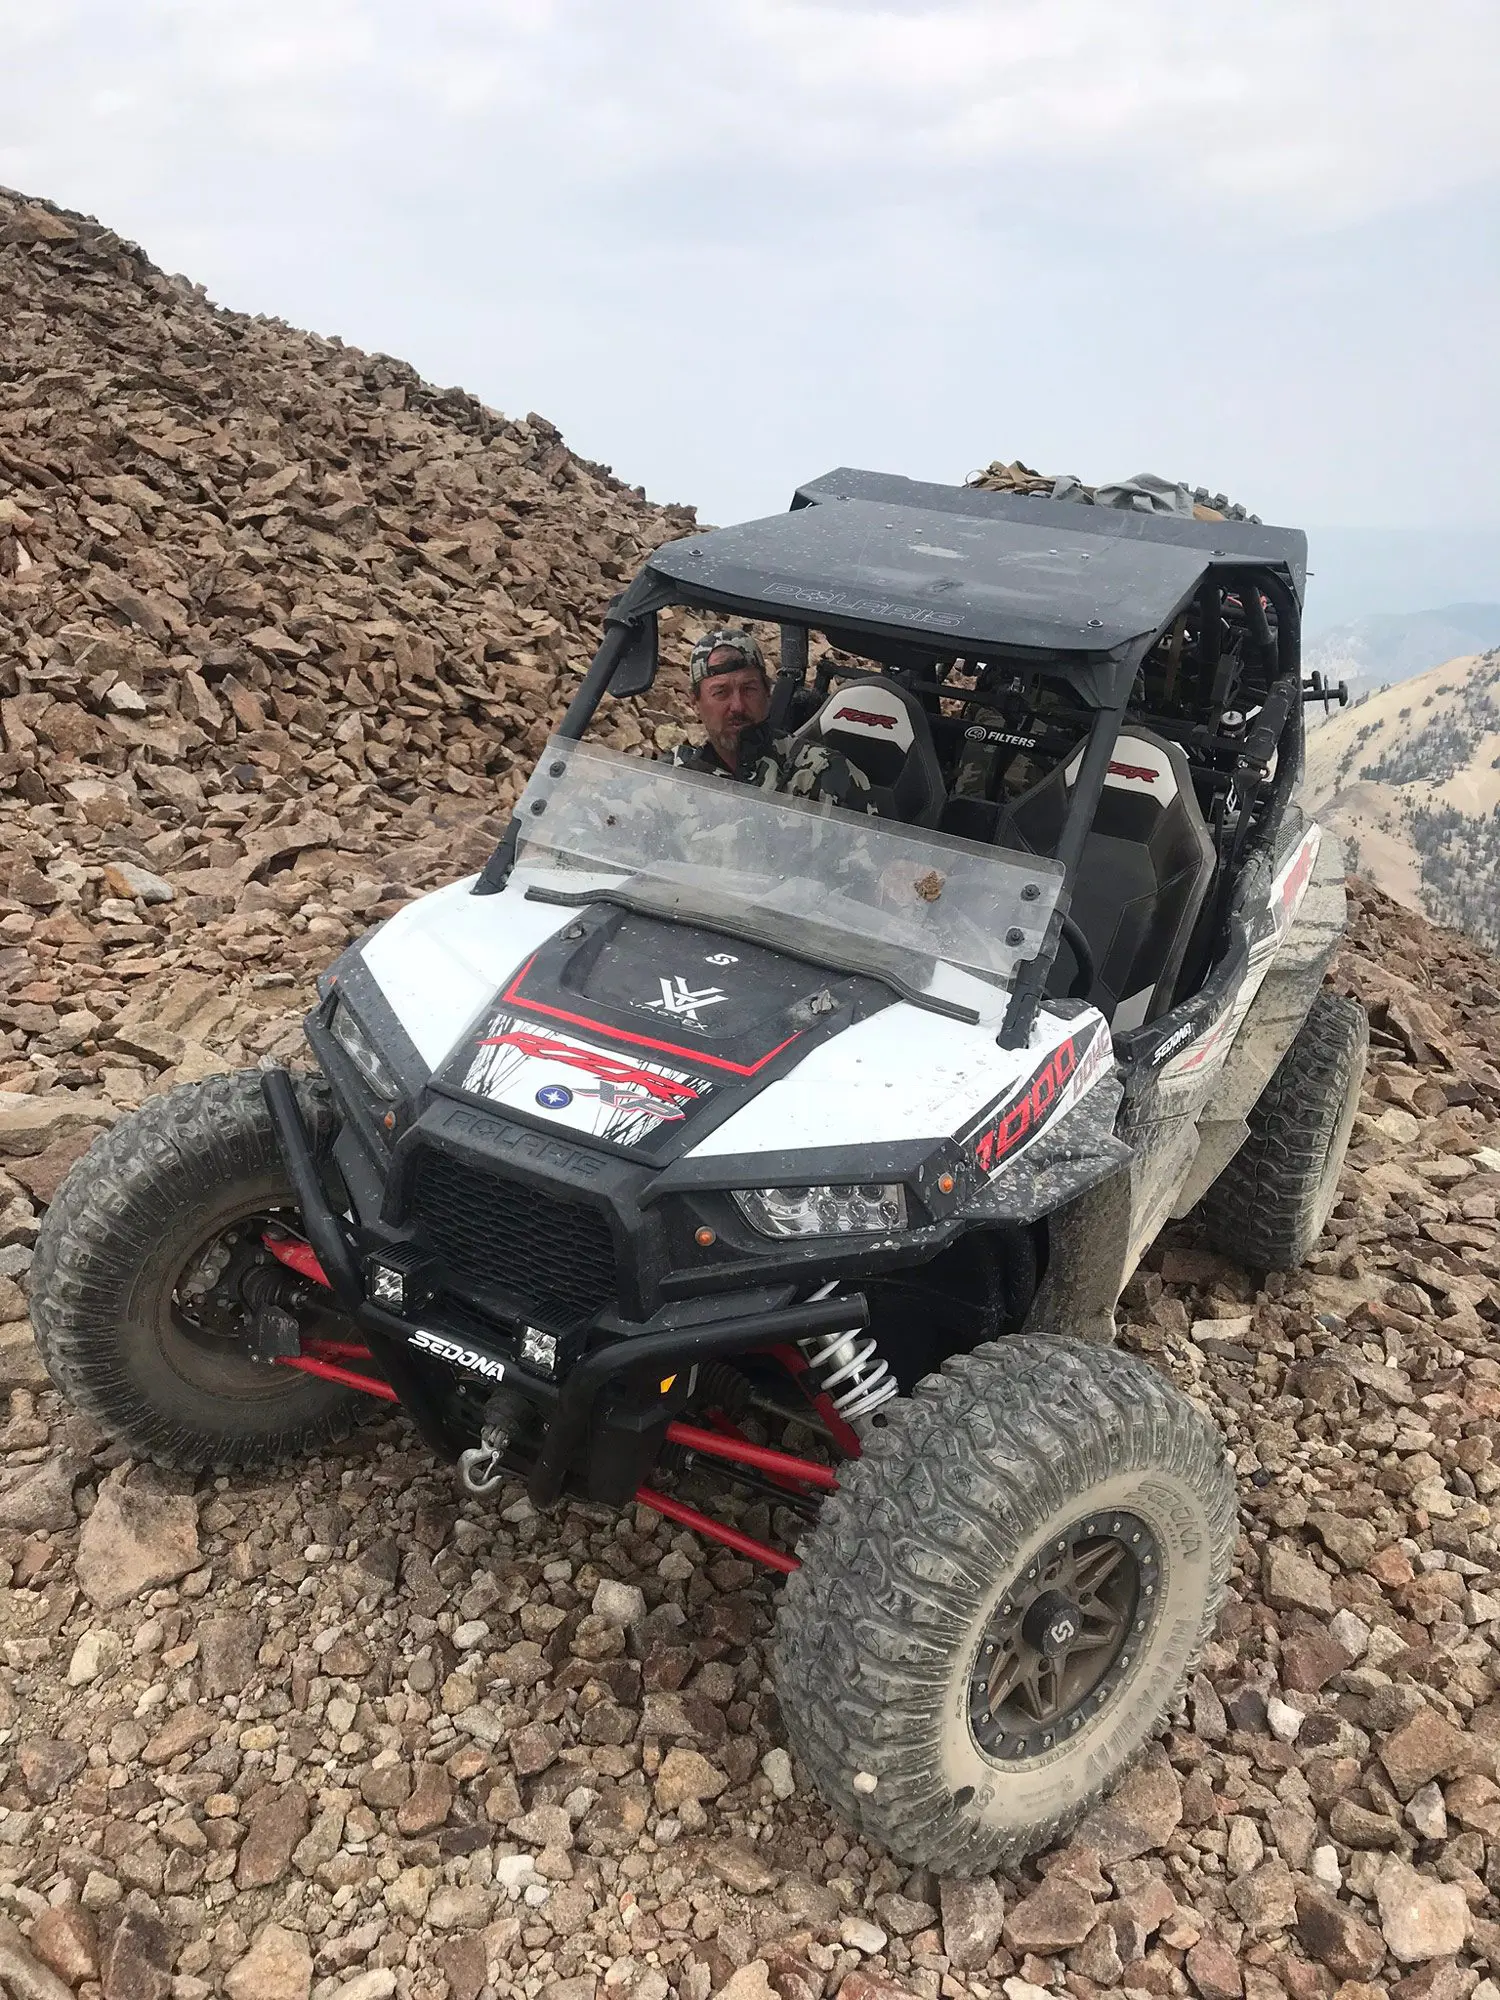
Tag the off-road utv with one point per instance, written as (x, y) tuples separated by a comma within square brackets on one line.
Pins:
[(711, 1129)]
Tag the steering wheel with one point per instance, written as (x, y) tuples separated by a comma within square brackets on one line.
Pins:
[(1083, 973)]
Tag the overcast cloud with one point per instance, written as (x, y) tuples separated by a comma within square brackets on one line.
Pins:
[(728, 244)]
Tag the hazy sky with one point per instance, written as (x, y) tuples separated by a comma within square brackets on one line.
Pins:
[(729, 244)]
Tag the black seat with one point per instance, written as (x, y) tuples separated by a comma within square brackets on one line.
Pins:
[(884, 730), (1147, 864)]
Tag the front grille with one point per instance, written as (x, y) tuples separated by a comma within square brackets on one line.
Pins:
[(502, 1236)]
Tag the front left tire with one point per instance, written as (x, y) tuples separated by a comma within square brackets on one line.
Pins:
[(172, 1189)]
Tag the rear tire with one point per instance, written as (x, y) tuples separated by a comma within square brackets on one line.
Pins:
[(1268, 1207), (131, 1219), (938, 1545)]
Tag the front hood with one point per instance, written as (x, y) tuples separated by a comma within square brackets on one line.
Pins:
[(673, 1042), (645, 1032), (623, 1027)]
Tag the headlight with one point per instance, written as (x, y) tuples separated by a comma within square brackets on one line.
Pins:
[(363, 1053), (869, 1209)]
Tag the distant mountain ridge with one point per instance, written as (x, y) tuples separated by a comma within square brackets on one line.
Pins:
[(1408, 779), (1388, 647)]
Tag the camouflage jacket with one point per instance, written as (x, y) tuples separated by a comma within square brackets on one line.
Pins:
[(781, 764)]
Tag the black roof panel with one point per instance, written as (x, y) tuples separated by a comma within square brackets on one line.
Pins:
[(1232, 541), (953, 582)]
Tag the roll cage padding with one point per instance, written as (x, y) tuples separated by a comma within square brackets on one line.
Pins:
[(1148, 860), (884, 730)]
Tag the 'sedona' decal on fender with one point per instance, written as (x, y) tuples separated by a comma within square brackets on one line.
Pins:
[(1058, 1081)]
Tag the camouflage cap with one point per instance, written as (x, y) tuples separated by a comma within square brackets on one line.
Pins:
[(743, 648)]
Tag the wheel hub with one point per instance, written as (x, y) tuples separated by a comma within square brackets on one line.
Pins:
[(233, 1303), (1052, 1624), (1063, 1636)]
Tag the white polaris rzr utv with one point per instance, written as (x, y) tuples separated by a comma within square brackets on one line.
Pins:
[(709, 1130)]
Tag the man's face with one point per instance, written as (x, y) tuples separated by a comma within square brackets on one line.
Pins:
[(730, 702)]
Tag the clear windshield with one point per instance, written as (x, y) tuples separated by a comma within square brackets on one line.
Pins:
[(702, 845)]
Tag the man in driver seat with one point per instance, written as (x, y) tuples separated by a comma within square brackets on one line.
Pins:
[(732, 695)]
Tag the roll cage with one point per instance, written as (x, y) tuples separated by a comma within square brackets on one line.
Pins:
[(1063, 624)]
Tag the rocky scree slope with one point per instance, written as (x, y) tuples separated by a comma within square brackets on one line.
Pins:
[(281, 629), (1409, 780), (344, 1731)]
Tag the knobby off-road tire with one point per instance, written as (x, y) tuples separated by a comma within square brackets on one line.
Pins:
[(975, 1482), (131, 1218), (1268, 1207)]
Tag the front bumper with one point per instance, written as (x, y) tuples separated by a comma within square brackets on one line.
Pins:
[(671, 1340)]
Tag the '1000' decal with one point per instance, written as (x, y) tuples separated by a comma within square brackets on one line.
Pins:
[(1058, 1080)]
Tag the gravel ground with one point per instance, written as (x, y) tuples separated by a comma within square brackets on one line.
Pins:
[(343, 1731)]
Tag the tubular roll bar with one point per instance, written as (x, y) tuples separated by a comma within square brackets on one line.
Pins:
[(324, 1230)]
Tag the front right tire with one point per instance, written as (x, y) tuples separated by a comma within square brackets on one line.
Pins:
[(1000, 1605)]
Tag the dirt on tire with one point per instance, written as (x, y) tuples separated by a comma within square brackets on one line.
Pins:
[(878, 1630), (131, 1214)]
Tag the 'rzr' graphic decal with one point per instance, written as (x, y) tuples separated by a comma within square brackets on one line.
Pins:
[(530, 1069), (868, 716), (653, 1083), (1057, 1083)]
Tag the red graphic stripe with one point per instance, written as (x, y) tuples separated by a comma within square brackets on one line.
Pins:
[(698, 1057), (610, 1069)]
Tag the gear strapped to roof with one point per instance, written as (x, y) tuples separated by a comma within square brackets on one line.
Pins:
[(1227, 540)]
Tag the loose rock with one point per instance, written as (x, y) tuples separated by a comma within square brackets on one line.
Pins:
[(278, 1966), (1420, 1919), (140, 1534)]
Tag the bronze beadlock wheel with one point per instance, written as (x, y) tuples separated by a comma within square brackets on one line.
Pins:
[(1063, 1635), (1000, 1605)]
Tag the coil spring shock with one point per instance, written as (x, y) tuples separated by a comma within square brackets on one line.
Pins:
[(849, 1370)]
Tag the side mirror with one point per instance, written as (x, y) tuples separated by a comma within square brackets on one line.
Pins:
[(635, 669)]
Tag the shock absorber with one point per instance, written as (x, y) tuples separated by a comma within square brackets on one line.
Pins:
[(849, 1370)]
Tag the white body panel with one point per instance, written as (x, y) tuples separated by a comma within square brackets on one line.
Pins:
[(1203, 1057), (440, 960), (905, 1073), (902, 1074)]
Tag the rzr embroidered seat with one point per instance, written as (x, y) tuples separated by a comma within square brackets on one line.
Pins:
[(884, 730), (1146, 868)]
